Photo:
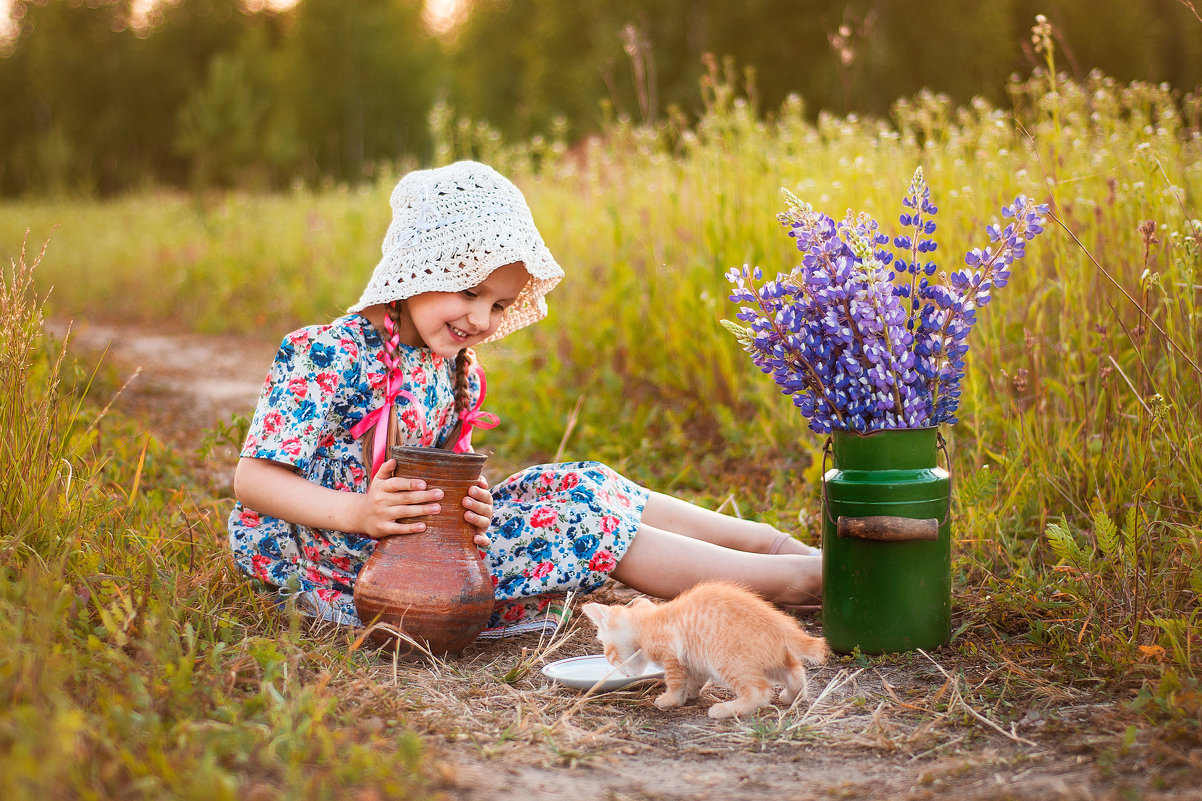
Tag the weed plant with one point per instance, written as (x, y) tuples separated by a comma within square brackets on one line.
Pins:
[(1078, 458)]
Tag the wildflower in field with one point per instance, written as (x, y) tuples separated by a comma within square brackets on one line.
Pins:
[(864, 339)]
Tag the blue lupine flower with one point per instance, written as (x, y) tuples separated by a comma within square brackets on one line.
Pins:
[(860, 338)]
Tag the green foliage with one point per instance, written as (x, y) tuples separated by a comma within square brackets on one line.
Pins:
[(45, 440), (1062, 543), (355, 80), (133, 662), (220, 125), (333, 89), (210, 94), (1170, 697), (91, 102), (1130, 585)]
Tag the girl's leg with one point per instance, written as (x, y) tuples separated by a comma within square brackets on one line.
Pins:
[(672, 514), (665, 564)]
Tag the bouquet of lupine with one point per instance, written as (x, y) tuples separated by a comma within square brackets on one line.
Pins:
[(864, 340)]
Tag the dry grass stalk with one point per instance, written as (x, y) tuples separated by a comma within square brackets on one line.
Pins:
[(955, 683)]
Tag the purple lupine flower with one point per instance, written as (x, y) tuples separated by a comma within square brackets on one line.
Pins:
[(863, 340), (966, 291)]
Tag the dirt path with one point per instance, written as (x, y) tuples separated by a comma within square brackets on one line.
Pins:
[(908, 728), (185, 383)]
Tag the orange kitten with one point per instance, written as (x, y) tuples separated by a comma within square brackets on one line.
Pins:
[(713, 631)]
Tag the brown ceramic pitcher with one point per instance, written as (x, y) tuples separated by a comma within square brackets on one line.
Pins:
[(432, 585)]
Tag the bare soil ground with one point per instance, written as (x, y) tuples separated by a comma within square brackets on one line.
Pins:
[(948, 725)]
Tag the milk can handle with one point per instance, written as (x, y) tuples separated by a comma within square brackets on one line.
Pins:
[(885, 528)]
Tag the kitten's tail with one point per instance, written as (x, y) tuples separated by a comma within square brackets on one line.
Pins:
[(806, 648)]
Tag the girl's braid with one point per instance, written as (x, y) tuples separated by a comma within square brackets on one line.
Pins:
[(463, 365), (393, 310)]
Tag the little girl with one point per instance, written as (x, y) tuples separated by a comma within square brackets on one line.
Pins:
[(463, 264)]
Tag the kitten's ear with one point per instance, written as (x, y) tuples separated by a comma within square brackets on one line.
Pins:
[(641, 601), (598, 613)]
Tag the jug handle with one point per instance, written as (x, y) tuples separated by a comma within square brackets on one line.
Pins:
[(947, 513)]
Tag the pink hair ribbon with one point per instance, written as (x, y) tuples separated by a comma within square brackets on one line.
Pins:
[(474, 418), (394, 384)]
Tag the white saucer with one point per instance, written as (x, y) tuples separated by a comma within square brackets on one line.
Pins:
[(586, 672)]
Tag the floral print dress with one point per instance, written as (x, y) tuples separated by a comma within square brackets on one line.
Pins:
[(555, 528)]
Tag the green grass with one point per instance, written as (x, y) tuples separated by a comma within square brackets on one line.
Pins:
[(1078, 458), (134, 663)]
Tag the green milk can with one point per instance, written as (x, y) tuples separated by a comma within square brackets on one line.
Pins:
[(886, 542)]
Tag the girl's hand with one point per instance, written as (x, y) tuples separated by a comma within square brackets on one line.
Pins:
[(478, 503), (390, 500)]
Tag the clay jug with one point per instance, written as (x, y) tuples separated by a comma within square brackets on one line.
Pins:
[(432, 585)]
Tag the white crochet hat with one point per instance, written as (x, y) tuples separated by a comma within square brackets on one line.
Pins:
[(451, 227)]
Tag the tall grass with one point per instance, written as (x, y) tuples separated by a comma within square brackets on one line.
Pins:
[(1080, 415), (132, 663), (1081, 411)]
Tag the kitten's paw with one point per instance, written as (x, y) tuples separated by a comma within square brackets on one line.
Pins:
[(669, 699), (796, 685), (721, 711), (743, 704)]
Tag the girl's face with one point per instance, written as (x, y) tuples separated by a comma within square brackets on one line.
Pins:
[(446, 322)]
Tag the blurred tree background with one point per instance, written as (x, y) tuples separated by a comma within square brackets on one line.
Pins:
[(104, 96)]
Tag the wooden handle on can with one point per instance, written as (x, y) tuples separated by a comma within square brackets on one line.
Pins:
[(885, 528)]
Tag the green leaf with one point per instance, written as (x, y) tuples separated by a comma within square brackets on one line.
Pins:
[(1105, 532), (1131, 531), (1062, 542)]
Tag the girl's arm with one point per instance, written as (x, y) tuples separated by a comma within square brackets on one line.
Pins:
[(274, 489)]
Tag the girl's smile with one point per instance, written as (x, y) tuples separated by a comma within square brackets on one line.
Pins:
[(447, 322)]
